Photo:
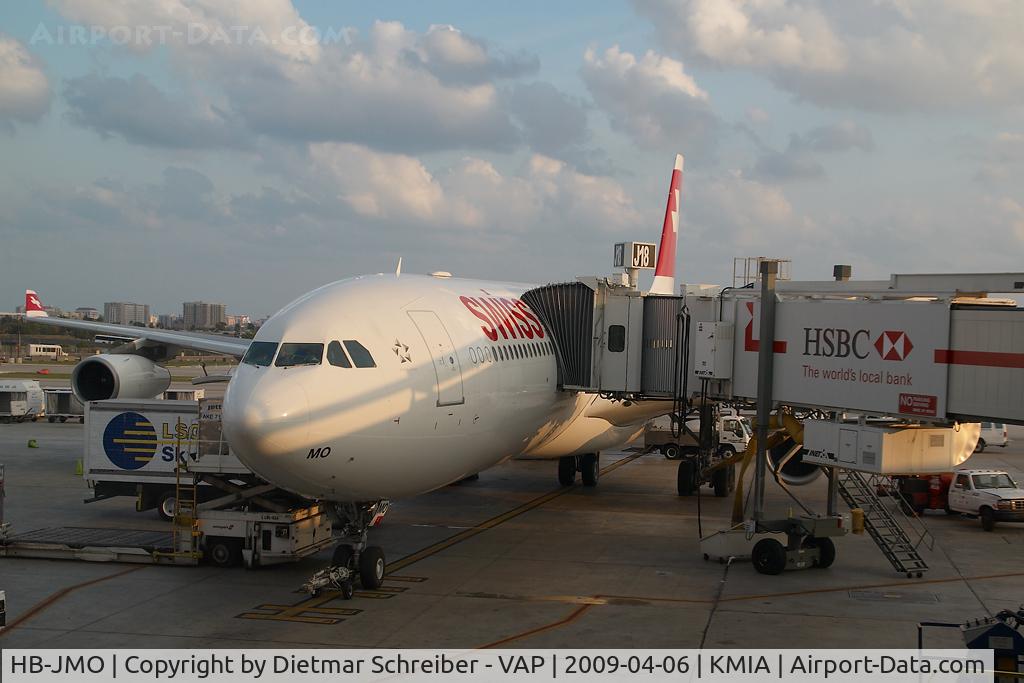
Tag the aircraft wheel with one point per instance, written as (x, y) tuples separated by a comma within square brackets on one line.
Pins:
[(342, 556), (721, 481), (371, 567), (590, 466), (567, 470), (685, 478), (769, 556)]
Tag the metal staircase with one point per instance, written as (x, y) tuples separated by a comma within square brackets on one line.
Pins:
[(883, 526)]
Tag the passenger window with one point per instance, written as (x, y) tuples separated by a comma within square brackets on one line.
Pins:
[(299, 354), (360, 356), (336, 355), (616, 338), (260, 353)]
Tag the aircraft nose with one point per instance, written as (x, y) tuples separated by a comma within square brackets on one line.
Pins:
[(266, 417)]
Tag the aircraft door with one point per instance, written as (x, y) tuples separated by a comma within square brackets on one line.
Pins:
[(447, 368)]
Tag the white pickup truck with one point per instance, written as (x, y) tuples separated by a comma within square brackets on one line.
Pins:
[(990, 495), (734, 432)]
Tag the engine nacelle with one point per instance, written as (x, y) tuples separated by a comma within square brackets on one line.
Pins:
[(795, 471), (116, 375)]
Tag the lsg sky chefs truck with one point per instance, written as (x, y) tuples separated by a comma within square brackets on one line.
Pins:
[(131, 448)]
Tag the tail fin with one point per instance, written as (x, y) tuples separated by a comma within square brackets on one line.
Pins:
[(665, 272), (33, 306)]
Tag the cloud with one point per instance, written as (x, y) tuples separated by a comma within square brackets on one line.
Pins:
[(24, 88), (393, 89), (798, 161), (652, 98), (472, 195), (139, 112), (887, 56), (455, 57)]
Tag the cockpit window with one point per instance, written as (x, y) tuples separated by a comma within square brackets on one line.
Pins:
[(260, 353), (299, 354), (336, 355), (360, 356)]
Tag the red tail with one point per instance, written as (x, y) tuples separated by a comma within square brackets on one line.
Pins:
[(665, 272), (33, 306)]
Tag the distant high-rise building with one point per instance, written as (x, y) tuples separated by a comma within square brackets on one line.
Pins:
[(169, 321), (200, 315), (121, 313)]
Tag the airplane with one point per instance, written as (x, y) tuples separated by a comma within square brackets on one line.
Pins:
[(386, 386)]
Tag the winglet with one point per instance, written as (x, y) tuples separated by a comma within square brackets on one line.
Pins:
[(665, 272), (33, 306), (398, 270)]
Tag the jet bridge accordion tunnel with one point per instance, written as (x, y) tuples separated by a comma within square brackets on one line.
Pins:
[(612, 340)]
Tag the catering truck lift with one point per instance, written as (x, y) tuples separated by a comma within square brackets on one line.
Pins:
[(926, 356), (162, 451)]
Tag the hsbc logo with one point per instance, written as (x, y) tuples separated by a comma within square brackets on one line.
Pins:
[(837, 342), (893, 345)]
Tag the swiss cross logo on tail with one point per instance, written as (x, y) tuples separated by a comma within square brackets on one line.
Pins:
[(33, 306), (893, 345)]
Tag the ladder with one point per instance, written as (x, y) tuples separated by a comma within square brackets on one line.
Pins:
[(185, 526), (882, 525)]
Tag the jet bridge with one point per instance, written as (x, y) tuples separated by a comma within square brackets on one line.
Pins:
[(930, 348)]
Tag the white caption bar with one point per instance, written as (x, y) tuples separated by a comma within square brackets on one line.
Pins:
[(505, 666)]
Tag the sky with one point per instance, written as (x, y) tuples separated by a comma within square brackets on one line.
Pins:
[(246, 152)]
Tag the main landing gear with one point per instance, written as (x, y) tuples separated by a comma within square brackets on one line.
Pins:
[(588, 465), (353, 557)]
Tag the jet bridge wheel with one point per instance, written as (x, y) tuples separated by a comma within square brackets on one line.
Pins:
[(826, 550), (768, 556), (371, 567)]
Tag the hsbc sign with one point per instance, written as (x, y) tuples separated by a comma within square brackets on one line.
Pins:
[(839, 342), (855, 355)]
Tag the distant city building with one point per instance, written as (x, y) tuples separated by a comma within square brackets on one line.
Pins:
[(241, 320), (87, 313), (120, 313), (200, 315), (169, 321)]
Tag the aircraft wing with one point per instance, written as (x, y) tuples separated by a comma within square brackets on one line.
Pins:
[(230, 346)]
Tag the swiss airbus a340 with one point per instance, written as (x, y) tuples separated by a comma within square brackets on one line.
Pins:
[(387, 386)]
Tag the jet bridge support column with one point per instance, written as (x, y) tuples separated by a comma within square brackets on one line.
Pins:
[(765, 363)]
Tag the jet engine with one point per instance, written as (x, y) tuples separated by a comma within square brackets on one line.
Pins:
[(794, 470), (115, 375)]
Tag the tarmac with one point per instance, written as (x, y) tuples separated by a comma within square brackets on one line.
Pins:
[(509, 560)]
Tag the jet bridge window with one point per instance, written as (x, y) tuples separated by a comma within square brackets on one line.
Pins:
[(299, 354), (260, 353), (360, 356), (336, 355), (616, 338)]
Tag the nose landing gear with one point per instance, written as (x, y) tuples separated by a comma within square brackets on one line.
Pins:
[(353, 557)]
